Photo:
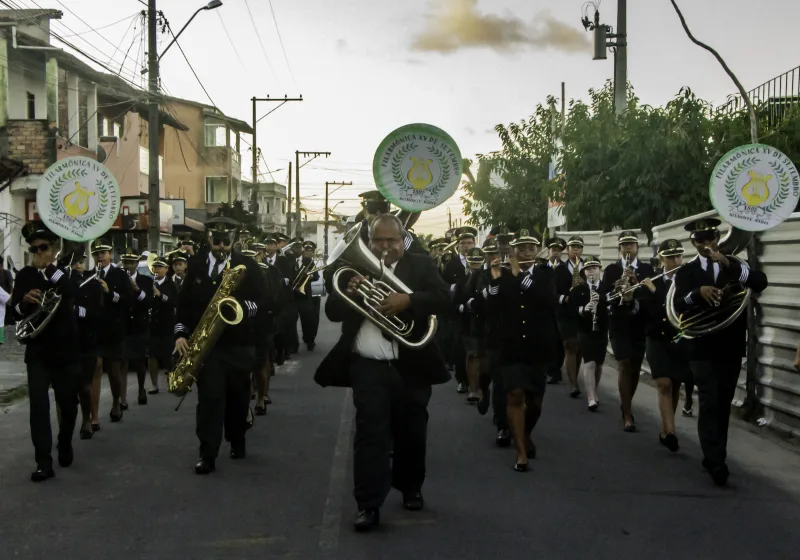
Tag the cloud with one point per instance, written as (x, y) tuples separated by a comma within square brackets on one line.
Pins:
[(341, 45), (469, 130), (460, 25)]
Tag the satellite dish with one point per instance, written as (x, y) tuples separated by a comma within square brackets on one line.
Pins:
[(102, 156)]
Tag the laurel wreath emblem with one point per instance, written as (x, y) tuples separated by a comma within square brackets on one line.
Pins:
[(730, 184), (57, 204), (785, 183), (397, 160), (441, 158)]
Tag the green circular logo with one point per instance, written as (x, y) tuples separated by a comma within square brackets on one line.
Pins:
[(78, 198), (754, 187), (417, 167)]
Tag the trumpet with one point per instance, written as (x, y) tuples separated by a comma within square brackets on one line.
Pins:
[(619, 295)]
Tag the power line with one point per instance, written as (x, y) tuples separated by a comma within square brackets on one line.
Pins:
[(235, 50), (103, 27), (263, 50), (277, 29), (125, 57), (196, 77)]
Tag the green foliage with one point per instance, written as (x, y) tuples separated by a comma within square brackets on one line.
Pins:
[(646, 167), (238, 212)]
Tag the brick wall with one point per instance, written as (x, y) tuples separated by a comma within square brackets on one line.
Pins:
[(30, 142)]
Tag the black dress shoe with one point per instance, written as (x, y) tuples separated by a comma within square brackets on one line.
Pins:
[(42, 474), (261, 410), (575, 393), (115, 418), (530, 450), (461, 389), (413, 501), (503, 438), (142, 399), (720, 475), (238, 450), (65, 455), (153, 391), (123, 406), (367, 520), (311, 346), (670, 441), (205, 466), (486, 400)]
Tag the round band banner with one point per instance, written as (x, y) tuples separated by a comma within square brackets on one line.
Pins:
[(78, 198), (417, 167), (755, 187)]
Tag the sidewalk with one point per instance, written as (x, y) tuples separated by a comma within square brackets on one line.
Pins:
[(12, 363)]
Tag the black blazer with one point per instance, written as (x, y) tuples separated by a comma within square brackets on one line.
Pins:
[(689, 280), (430, 296), (653, 307), (113, 323), (162, 310), (198, 289), (579, 299), (58, 342), (89, 308), (141, 300), (454, 272), (526, 307), (622, 319)]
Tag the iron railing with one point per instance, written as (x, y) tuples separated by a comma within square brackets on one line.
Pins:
[(773, 97)]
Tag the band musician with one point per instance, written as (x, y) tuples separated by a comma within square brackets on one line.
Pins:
[(223, 384), (50, 357), (137, 341), (162, 321), (715, 359), (309, 314), (391, 384), (627, 329)]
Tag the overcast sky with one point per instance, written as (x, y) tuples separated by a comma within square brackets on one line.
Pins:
[(366, 67)]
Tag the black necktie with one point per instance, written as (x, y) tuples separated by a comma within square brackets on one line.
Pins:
[(215, 272), (102, 273)]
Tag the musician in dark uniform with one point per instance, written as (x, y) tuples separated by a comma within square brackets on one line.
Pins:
[(265, 337), (223, 384), (455, 275), (287, 341), (89, 307), (309, 314), (470, 323), (178, 262), (391, 383), (53, 356), (137, 341), (526, 298), (568, 319), (566, 323), (668, 357), (162, 321), (627, 331), (588, 301), (113, 323), (715, 359)]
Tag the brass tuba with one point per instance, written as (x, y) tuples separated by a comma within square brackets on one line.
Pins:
[(223, 310), (356, 257)]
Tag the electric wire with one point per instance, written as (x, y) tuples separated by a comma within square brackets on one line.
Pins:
[(283, 48), (103, 27), (260, 42)]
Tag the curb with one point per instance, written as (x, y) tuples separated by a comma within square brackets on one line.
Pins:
[(8, 396)]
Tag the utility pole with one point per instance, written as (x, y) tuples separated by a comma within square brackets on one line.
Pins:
[(449, 219), (154, 230), (602, 33), (328, 184), (255, 101), (297, 154)]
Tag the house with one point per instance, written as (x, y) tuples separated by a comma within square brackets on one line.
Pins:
[(203, 164), (268, 202), (55, 106)]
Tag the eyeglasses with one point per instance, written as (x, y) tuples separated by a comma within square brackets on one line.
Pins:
[(33, 249), (220, 241), (377, 207)]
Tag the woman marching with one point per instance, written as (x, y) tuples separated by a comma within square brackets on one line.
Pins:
[(668, 360), (588, 300)]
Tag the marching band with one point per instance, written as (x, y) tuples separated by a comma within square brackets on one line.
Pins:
[(505, 318)]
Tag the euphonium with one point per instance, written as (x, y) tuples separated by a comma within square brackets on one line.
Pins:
[(223, 310), (353, 252)]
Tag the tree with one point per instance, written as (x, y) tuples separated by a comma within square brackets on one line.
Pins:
[(238, 212), (648, 166)]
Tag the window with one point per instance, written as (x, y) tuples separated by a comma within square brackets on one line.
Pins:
[(215, 134), (144, 163), (117, 130), (31, 106), (268, 207), (283, 208), (217, 189)]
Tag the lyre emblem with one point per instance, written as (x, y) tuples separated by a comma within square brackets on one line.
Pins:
[(756, 191), (76, 203), (420, 175)]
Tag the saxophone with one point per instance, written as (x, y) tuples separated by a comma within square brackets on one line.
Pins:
[(223, 310)]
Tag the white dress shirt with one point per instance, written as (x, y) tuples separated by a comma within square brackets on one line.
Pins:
[(371, 344), (212, 262), (704, 266)]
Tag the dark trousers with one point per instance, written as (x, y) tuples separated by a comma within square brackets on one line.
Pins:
[(308, 309), (64, 379), (459, 355), (498, 391), (223, 397), (289, 342), (715, 380), (391, 415)]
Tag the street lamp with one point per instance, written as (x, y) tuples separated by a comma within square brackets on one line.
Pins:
[(213, 5), (154, 195)]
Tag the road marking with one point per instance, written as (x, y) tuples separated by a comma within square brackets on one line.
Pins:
[(332, 513)]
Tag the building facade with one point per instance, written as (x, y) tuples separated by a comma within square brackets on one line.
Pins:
[(268, 203)]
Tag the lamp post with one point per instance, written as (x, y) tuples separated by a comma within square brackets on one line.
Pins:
[(154, 234)]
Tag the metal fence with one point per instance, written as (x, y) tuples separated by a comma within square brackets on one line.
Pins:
[(775, 96), (778, 382)]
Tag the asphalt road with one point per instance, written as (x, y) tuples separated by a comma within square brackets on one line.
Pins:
[(593, 492)]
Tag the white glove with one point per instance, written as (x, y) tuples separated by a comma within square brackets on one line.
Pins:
[(461, 309), (590, 307)]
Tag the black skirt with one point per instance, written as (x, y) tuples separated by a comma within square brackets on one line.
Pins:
[(668, 360), (161, 347), (567, 325), (593, 346), (137, 346), (531, 378), (628, 345)]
